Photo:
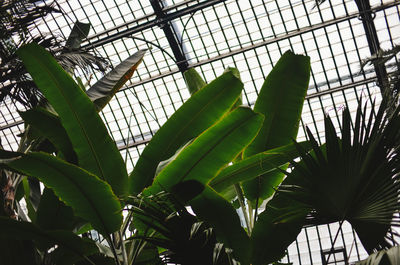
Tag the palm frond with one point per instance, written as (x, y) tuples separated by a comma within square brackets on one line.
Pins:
[(383, 257), (18, 16), (186, 239), (353, 178), (70, 60)]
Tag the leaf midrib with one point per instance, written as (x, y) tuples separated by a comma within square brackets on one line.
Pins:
[(78, 187), (58, 86), (242, 121), (241, 169), (194, 118)]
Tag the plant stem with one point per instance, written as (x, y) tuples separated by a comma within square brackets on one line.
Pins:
[(241, 202), (251, 220), (256, 212), (126, 222), (123, 249), (114, 251)]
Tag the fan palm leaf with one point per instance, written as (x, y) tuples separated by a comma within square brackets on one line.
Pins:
[(355, 177)]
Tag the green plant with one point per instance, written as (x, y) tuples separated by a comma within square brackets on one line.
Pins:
[(186, 240), (198, 142), (17, 18), (352, 178), (199, 162), (44, 130), (43, 124)]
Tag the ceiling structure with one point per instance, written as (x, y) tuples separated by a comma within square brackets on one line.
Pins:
[(250, 35)]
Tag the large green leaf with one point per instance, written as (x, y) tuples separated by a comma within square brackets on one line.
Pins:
[(95, 149), (89, 197), (11, 249), (219, 213), (274, 231), (278, 225), (49, 126), (53, 214), (212, 150), (281, 101), (201, 111), (104, 89), (255, 166), (12, 229)]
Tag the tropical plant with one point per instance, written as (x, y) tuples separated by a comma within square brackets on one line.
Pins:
[(186, 240), (17, 19), (391, 86), (351, 178), (43, 124), (197, 164), (44, 132), (198, 143)]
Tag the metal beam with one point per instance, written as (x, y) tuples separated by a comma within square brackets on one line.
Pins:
[(146, 25), (263, 43), (367, 17), (317, 94), (285, 36), (175, 45), (313, 95)]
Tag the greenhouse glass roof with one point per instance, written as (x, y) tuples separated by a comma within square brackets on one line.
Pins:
[(212, 35)]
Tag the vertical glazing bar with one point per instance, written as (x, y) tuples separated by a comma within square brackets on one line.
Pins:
[(367, 18), (181, 60)]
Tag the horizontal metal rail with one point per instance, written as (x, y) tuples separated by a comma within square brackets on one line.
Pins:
[(313, 95), (121, 32), (264, 43)]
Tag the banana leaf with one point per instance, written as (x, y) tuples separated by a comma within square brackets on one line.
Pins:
[(274, 230), (11, 249), (194, 82), (219, 213), (197, 114), (53, 214), (255, 166), (104, 89), (12, 229), (49, 126), (95, 149), (89, 197), (211, 151), (79, 32), (281, 101)]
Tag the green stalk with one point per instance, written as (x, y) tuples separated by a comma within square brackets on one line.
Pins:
[(241, 202), (114, 251), (251, 219), (256, 212), (123, 249)]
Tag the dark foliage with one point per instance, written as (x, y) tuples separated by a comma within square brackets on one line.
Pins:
[(161, 220), (17, 18), (354, 178)]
